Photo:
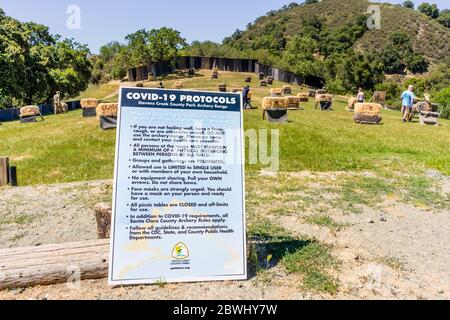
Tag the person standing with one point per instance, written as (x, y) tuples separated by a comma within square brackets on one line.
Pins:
[(57, 106), (408, 98), (361, 96), (246, 98)]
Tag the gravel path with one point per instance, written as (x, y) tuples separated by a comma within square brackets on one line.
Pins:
[(31, 216)]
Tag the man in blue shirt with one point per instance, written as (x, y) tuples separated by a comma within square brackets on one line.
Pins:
[(408, 98)]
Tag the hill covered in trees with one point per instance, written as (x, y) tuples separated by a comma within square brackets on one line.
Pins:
[(348, 46), (427, 36)]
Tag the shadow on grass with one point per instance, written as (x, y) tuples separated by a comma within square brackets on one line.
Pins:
[(267, 253)]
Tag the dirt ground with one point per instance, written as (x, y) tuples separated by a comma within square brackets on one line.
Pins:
[(391, 251)]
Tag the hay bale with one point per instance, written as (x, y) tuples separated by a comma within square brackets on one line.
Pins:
[(261, 76), (324, 98), (321, 91), (263, 83), (177, 85), (351, 104), (140, 85), (270, 80), (89, 103), (273, 102), (287, 89), (368, 113), (107, 110), (236, 90), (214, 76), (368, 108), (29, 111), (303, 97), (276, 92), (292, 102), (248, 79), (222, 87)]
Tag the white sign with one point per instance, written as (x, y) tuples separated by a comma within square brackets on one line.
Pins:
[(178, 207)]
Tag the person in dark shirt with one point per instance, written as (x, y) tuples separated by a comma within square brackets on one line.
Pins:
[(247, 101), (161, 85)]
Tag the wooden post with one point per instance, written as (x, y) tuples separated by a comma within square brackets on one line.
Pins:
[(4, 164), (103, 213), (12, 175)]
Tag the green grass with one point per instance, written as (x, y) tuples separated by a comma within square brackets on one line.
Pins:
[(20, 220), (63, 148), (99, 92), (419, 191), (323, 220), (68, 147), (302, 256), (313, 262)]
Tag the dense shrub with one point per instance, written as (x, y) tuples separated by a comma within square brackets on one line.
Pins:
[(443, 98)]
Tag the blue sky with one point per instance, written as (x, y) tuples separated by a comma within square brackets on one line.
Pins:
[(103, 21)]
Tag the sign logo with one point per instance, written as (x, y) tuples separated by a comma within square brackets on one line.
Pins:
[(180, 251)]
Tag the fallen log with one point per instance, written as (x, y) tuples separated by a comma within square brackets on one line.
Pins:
[(52, 264)]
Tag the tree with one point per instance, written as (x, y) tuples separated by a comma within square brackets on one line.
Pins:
[(34, 63), (444, 18), (155, 45), (311, 1), (430, 10), (392, 60), (110, 51), (70, 68), (165, 44), (401, 41), (111, 63), (342, 39), (205, 49), (299, 56), (399, 55), (416, 63), (408, 4), (443, 98), (359, 70), (272, 38)]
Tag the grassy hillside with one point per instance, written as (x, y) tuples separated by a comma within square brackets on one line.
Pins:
[(428, 37), (68, 147)]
